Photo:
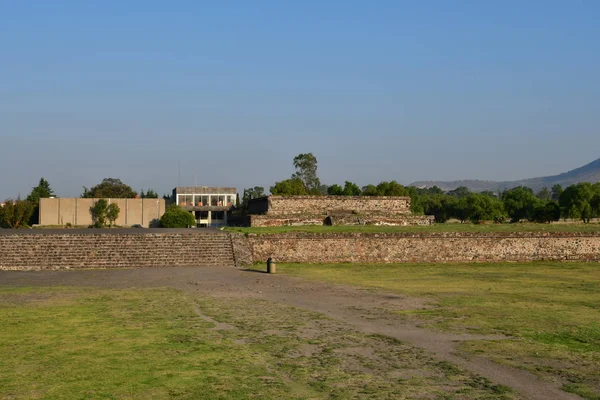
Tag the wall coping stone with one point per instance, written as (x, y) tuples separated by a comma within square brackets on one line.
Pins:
[(441, 235), (111, 231)]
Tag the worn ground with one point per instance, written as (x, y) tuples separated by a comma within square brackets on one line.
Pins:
[(315, 339)]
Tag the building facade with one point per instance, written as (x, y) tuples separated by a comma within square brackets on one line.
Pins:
[(76, 211), (210, 205)]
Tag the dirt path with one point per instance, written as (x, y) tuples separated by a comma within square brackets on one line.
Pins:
[(361, 309)]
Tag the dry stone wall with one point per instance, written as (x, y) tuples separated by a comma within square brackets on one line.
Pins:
[(431, 247), (281, 205), (333, 210), (104, 250)]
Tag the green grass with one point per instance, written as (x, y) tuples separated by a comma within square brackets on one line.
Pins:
[(550, 310), (448, 227), (74, 343), (117, 344)]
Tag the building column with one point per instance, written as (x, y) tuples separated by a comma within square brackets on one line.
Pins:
[(209, 218)]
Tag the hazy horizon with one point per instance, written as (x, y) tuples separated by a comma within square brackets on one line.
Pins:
[(381, 91)]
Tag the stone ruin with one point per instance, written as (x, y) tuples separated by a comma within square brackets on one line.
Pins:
[(333, 210)]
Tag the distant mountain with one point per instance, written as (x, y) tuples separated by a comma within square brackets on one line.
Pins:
[(588, 173)]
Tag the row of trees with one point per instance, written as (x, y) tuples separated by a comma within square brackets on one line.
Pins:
[(578, 201)]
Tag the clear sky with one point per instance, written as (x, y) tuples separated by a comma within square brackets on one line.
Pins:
[(377, 90)]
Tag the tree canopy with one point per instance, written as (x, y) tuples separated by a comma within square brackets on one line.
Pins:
[(109, 188), (41, 191), (15, 214), (289, 187), (306, 172)]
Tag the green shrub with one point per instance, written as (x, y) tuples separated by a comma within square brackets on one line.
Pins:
[(177, 217)]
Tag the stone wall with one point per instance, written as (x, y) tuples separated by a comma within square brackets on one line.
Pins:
[(333, 210), (340, 219), (424, 247), (288, 205), (75, 211), (76, 249)]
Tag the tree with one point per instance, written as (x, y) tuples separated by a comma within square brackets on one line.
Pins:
[(576, 201), (168, 199), (150, 194), (351, 189), (41, 191), (249, 194), (15, 214), (112, 213), (177, 217), (289, 187), (460, 192), (335, 190), (370, 190), (306, 172), (253, 193), (392, 188), (480, 207), (544, 194), (99, 211), (109, 188), (548, 212), (441, 206), (520, 203), (556, 192), (595, 204)]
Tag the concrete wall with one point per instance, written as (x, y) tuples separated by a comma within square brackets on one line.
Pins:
[(282, 205), (432, 247), (77, 248), (60, 211)]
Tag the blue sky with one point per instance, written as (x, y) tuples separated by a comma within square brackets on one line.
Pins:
[(234, 90)]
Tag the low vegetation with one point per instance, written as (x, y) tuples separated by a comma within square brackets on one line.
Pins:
[(549, 311), (73, 343), (177, 217)]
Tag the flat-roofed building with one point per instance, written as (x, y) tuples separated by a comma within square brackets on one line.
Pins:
[(209, 205)]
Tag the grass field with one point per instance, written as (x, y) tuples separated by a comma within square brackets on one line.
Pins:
[(448, 227), (74, 343), (550, 310)]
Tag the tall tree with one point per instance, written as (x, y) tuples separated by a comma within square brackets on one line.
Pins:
[(306, 171), (109, 188), (41, 191)]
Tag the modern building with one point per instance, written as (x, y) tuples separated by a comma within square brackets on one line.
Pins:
[(210, 205)]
